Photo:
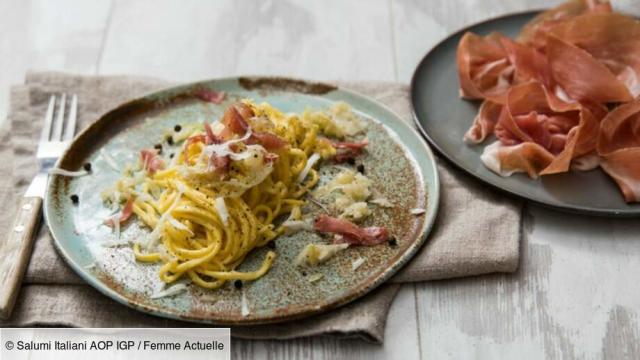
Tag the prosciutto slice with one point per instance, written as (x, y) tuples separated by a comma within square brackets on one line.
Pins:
[(619, 148), (150, 161), (534, 32), (553, 132), (582, 76), (209, 95), (484, 122), (350, 232), (236, 122), (562, 96), (126, 213), (484, 69), (612, 40)]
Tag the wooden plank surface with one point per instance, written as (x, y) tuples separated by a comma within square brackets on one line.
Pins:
[(63, 35), (575, 294)]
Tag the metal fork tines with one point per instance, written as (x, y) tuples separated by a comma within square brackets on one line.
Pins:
[(57, 133)]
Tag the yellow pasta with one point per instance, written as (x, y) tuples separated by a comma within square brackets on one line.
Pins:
[(204, 223)]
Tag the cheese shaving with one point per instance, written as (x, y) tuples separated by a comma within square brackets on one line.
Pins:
[(221, 208), (245, 305), (314, 254), (310, 162), (357, 263), (382, 202), (171, 291), (294, 226)]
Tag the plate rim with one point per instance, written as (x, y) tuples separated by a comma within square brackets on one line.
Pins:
[(433, 202), (572, 209)]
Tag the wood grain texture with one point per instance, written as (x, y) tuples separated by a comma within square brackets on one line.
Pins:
[(15, 252), (575, 294), (187, 40), (63, 35)]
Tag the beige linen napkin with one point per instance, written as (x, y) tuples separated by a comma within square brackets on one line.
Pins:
[(477, 230)]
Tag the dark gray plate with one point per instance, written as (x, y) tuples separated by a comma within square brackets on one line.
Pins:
[(443, 117)]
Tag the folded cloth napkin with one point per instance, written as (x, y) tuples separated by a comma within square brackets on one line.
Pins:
[(477, 230)]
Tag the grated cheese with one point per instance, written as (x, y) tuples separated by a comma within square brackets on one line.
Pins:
[(310, 162), (221, 208), (382, 202), (314, 254), (357, 263), (171, 291)]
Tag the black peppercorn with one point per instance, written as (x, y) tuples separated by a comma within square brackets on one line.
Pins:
[(393, 242), (360, 168), (171, 155), (238, 284), (271, 244), (74, 199), (87, 167), (170, 140), (177, 128)]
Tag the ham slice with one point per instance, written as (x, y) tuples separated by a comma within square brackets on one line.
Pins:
[(547, 94), (126, 213), (150, 161), (210, 136), (555, 132), (347, 151), (236, 122), (619, 148), (209, 95), (582, 76), (350, 232), (484, 69), (534, 32), (269, 141), (350, 145), (613, 40), (484, 122)]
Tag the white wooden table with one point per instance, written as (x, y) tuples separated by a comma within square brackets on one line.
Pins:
[(576, 294)]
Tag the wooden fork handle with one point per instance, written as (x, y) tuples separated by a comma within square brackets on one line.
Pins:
[(16, 252)]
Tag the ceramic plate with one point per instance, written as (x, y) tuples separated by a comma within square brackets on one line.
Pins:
[(398, 162), (443, 118)]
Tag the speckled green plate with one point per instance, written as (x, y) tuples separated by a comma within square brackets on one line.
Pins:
[(443, 117), (398, 162)]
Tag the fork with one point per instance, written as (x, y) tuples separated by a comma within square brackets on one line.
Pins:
[(14, 256)]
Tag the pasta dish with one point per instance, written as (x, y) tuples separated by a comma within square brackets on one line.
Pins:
[(226, 187)]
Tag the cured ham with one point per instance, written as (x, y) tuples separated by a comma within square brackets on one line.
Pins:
[(351, 233), (150, 161), (236, 122), (209, 95), (533, 33), (619, 148), (546, 96), (210, 137), (126, 213), (582, 76), (347, 151), (483, 67)]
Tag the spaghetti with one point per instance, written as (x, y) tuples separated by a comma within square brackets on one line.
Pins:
[(216, 198)]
